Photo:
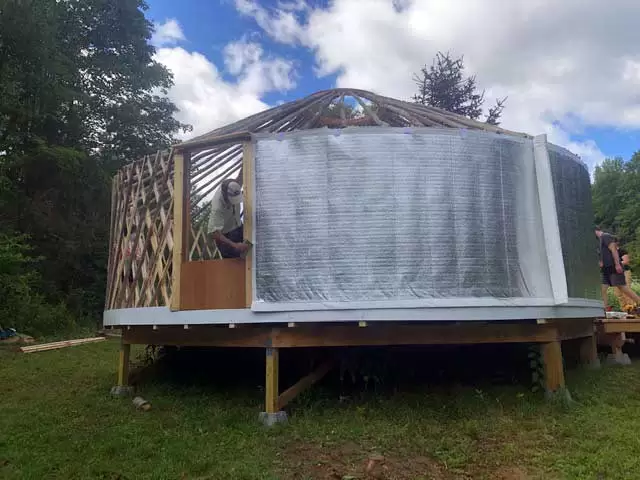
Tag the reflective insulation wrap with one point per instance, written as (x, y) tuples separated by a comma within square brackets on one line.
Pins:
[(383, 217), (572, 189)]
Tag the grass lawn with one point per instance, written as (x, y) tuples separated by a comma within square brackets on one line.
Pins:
[(57, 420)]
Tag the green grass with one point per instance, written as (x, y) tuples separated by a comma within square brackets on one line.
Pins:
[(57, 421)]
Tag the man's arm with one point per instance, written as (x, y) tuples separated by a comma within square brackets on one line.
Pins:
[(613, 248)]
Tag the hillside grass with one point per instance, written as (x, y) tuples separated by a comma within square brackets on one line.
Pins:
[(58, 421)]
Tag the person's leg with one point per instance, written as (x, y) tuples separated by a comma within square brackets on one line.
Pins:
[(626, 290), (605, 282), (605, 300), (627, 277), (620, 282), (234, 235)]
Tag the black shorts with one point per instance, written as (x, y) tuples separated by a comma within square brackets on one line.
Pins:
[(612, 278)]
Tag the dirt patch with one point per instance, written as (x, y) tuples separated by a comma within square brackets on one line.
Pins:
[(511, 473), (352, 462), (349, 461)]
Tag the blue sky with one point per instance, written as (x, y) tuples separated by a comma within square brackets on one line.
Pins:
[(561, 62)]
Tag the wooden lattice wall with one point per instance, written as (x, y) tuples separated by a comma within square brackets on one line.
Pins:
[(141, 232), (141, 243)]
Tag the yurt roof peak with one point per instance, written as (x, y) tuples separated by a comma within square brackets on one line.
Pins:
[(344, 107)]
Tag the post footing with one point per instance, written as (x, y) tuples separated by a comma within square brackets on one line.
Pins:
[(270, 419), (561, 395), (618, 359), (122, 391)]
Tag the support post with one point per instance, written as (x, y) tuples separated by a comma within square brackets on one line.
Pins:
[(589, 352), (271, 380), (247, 181), (123, 388), (553, 367), (178, 227), (271, 415)]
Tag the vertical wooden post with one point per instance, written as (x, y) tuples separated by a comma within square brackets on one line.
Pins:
[(271, 380), (588, 350), (247, 181), (178, 227), (553, 367), (123, 364)]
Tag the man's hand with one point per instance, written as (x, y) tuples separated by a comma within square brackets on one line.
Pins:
[(619, 268), (241, 247), (601, 264)]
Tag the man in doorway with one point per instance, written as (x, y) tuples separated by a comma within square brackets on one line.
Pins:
[(612, 269), (224, 222)]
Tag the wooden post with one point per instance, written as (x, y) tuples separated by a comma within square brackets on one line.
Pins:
[(271, 380), (553, 367), (123, 365), (588, 350), (247, 181), (178, 227)]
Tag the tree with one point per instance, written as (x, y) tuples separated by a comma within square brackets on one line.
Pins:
[(443, 85), (616, 201), (80, 94)]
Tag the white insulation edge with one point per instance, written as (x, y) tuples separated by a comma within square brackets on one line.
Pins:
[(578, 308), (550, 225)]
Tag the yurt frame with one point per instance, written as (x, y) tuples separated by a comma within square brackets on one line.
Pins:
[(174, 269)]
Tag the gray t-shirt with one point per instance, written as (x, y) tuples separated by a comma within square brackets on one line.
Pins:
[(224, 217)]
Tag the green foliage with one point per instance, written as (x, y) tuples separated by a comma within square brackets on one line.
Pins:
[(444, 85), (616, 202), (21, 304), (80, 95)]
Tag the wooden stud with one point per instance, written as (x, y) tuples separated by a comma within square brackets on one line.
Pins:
[(123, 364), (290, 393), (271, 380), (178, 228), (553, 366), (247, 172)]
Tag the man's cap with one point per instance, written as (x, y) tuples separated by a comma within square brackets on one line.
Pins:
[(234, 192)]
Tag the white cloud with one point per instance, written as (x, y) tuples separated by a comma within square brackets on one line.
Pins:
[(206, 100), (167, 33), (577, 59)]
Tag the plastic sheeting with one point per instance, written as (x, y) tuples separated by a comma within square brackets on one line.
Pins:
[(392, 218), (572, 190)]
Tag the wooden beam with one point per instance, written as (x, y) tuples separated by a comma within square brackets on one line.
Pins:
[(213, 141), (123, 364), (618, 326), (271, 380), (304, 383), (178, 228), (328, 335), (553, 366), (56, 345), (424, 334), (247, 172)]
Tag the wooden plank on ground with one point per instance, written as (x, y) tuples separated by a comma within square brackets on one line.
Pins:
[(55, 345)]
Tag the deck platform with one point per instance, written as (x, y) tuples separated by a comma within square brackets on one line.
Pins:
[(550, 334)]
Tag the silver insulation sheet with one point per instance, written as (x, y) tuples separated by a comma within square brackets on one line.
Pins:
[(386, 215), (572, 189)]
